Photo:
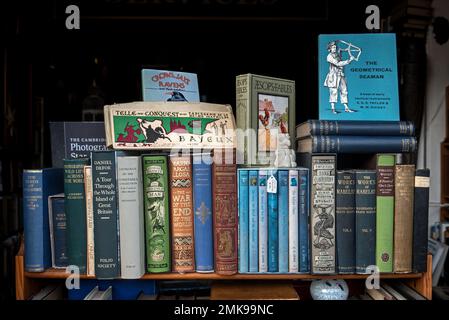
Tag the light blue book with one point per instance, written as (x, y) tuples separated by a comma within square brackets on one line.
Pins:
[(303, 217), (253, 221), (243, 221), (283, 220), (164, 85), (263, 222), (358, 77), (273, 221)]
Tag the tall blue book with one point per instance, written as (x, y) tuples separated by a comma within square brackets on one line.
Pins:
[(253, 199), (243, 221), (358, 77), (283, 220), (273, 221), (37, 186), (58, 231), (202, 205), (263, 222), (303, 212)]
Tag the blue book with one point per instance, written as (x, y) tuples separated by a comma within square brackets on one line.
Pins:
[(273, 221), (263, 222), (358, 77), (283, 220), (303, 212), (164, 85), (253, 221), (243, 221), (202, 204), (37, 186), (58, 231)]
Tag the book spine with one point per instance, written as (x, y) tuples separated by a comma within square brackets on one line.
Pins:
[(89, 220), (385, 212), (361, 128), (420, 220), (253, 221), (293, 237), (226, 215), (303, 216), (363, 144), (106, 227), (242, 84), (403, 217), (243, 221), (283, 220), (181, 205), (344, 221), (202, 203), (323, 213), (130, 207), (58, 232), (365, 220), (273, 221), (157, 225), (75, 206), (263, 222)]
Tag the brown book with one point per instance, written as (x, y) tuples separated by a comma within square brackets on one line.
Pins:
[(181, 212), (224, 177), (403, 217), (250, 290)]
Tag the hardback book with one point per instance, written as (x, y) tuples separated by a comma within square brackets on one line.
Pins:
[(203, 215), (420, 220), (345, 221), (243, 191), (37, 186), (253, 220), (365, 220), (358, 77), (273, 221), (74, 140), (224, 197), (50, 292), (385, 211), (293, 221), (357, 144), (131, 222), (181, 213), (283, 215), (263, 221), (165, 85), (58, 231), (168, 125), (106, 215), (88, 191), (403, 218), (97, 294), (265, 109), (157, 213), (304, 220), (354, 128), (75, 207)]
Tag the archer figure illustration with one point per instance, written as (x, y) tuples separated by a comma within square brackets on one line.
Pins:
[(323, 238), (336, 79)]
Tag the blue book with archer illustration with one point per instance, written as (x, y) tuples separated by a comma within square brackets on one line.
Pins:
[(273, 221), (164, 85), (283, 220), (253, 220), (243, 221), (358, 77)]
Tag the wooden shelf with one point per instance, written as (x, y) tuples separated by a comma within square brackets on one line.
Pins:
[(60, 274)]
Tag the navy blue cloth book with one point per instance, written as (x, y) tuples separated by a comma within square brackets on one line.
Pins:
[(37, 186), (58, 231)]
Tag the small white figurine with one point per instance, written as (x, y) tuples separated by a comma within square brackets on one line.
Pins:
[(285, 157)]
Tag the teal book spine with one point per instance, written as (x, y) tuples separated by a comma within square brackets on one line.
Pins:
[(243, 221), (263, 222), (283, 211), (253, 221), (273, 222)]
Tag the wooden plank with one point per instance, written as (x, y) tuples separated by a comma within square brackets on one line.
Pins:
[(423, 285)]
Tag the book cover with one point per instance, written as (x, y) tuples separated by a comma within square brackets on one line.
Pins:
[(88, 191), (283, 211), (403, 217), (322, 215), (273, 221), (345, 221), (75, 206), (243, 191), (181, 214), (58, 231), (157, 212), (385, 211), (358, 77), (37, 186), (304, 220), (202, 204), (263, 221), (365, 220), (74, 140), (293, 221), (265, 108), (164, 85), (167, 125), (253, 221)]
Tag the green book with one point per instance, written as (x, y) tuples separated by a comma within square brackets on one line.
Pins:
[(75, 206), (385, 212), (157, 224)]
